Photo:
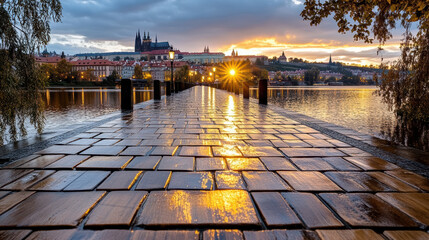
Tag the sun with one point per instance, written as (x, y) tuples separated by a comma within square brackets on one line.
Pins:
[(235, 72)]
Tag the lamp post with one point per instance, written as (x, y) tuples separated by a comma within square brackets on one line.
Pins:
[(214, 75), (171, 56)]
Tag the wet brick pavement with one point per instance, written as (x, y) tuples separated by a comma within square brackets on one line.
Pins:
[(206, 164)]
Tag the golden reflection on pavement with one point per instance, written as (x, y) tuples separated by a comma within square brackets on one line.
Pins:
[(242, 163), (228, 178), (204, 207), (227, 150), (179, 205)]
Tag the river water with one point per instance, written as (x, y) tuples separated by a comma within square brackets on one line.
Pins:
[(77, 105), (66, 108), (352, 107), (355, 107)]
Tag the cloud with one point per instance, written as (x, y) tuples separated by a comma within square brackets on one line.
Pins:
[(82, 43), (110, 25), (316, 50)]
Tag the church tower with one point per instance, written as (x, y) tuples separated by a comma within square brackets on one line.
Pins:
[(146, 46), (330, 59), (137, 42), (282, 58)]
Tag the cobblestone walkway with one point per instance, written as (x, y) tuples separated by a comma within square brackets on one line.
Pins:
[(204, 164)]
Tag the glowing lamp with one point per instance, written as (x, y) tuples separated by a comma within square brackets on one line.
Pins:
[(171, 54), (232, 72)]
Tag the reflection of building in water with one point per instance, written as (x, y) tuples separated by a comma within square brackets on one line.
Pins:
[(78, 100)]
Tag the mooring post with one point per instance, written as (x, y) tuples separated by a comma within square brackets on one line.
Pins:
[(156, 90), (263, 91), (246, 89), (176, 87), (237, 88), (167, 88), (126, 95)]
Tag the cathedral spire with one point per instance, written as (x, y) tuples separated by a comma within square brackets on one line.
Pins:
[(156, 38), (144, 36), (137, 42), (233, 53), (148, 36), (330, 59)]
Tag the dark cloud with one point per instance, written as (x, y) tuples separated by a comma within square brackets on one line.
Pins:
[(188, 24)]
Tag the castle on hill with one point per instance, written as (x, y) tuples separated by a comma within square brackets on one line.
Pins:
[(147, 45)]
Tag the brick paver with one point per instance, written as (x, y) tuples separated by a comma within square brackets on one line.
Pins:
[(206, 164)]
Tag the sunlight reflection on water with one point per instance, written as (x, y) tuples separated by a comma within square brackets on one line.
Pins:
[(357, 107)]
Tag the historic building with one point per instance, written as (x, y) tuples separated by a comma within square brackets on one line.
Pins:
[(205, 57), (146, 44), (283, 58), (101, 67), (48, 60), (252, 58)]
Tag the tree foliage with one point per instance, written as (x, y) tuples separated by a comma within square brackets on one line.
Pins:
[(110, 80), (182, 75), (405, 83), (89, 75), (259, 73), (138, 72), (311, 76), (24, 29)]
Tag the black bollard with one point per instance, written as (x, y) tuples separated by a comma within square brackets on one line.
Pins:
[(126, 95), (237, 88), (263, 91), (167, 88), (176, 87), (246, 93), (156, 90)]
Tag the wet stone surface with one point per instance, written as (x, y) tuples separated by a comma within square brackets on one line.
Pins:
[(206, 164)]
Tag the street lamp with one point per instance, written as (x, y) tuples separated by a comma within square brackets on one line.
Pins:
[(214, 73), (171, 56)]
